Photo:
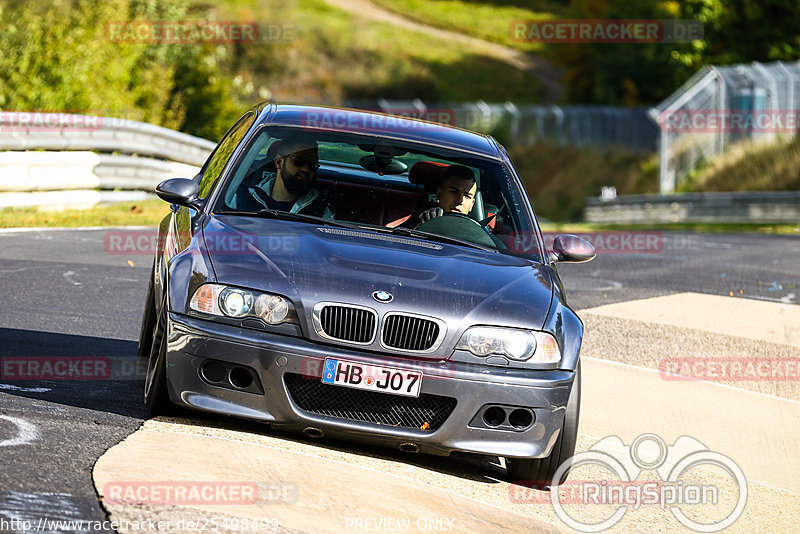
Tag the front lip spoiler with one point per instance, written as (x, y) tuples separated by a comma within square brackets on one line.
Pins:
[(192, 341)]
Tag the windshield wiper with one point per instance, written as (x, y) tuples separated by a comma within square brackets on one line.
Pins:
[(268, 213), (407, 232)]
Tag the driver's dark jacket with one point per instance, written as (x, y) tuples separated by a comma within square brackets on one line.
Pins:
[(311, 203)]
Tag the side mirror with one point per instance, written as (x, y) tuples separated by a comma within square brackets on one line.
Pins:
[(572, 249), (180, 191)]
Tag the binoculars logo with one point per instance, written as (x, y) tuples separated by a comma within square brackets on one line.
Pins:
[(624, 490)]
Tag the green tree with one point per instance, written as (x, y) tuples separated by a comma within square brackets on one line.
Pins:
[(60, 56), (627, 74), (746, 30)]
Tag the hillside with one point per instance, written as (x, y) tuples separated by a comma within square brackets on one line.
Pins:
[(59, 56)]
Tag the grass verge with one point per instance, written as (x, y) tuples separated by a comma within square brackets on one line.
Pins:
[(700, 228), (750, 167), (144, 213), (150, 212)]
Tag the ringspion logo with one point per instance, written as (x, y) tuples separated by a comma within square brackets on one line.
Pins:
[(674, 481)]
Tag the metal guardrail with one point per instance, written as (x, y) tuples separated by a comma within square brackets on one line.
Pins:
[(735, 207), (59, 159), (61, 131), (81, 179)]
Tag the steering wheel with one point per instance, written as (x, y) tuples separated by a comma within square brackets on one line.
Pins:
[(459, 226), (463, 216)]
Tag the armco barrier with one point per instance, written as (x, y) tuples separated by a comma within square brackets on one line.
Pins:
[(75, 199), (51, 171), (61, 160), (738, 207), (43, 131)]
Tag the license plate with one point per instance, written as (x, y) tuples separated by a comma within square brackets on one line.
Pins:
[(372, 377)]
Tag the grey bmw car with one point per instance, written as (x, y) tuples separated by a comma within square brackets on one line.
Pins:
[(371, 278)]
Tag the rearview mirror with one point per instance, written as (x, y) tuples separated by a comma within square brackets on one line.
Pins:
[(180, 191), (572, 249)]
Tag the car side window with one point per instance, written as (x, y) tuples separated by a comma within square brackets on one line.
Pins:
[(223, 152)]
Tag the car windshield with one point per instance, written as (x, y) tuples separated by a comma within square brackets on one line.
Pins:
[(383, 185)]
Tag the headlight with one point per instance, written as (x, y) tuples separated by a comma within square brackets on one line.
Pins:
[(217, 299), (235, 302), (516, 344), (272, 308)]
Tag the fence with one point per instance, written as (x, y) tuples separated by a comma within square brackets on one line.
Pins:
[(580, 126), (720, 106)]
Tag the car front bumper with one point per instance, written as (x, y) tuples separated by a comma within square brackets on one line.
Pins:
[(274, 358)]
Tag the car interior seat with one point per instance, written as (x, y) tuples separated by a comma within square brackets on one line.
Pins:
[(267, 164), (428, 175)]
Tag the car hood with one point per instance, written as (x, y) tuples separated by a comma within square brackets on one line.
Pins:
[(312, 263)]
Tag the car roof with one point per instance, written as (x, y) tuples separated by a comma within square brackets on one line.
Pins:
[(379, 124)]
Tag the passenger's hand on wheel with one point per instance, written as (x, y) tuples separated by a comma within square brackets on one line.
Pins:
[(432, 213)]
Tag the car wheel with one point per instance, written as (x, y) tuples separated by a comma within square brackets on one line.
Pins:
[(539, 472), (156, 398), (148, 319)]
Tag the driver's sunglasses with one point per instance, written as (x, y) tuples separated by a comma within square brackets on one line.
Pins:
[(302, 161)]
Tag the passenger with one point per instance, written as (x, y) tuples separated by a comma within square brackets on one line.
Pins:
[(291, 187)]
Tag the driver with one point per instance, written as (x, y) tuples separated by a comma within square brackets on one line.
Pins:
[(455, 194)]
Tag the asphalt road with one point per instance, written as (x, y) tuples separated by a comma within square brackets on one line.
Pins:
[(65, 295)]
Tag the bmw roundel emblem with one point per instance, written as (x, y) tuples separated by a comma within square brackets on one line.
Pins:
[(382, 296)]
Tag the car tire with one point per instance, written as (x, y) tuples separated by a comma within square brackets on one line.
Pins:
[(539, 472), (148, 319), (156, 397)]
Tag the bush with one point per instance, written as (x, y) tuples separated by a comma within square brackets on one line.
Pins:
[(559, 179), (58, 56)]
